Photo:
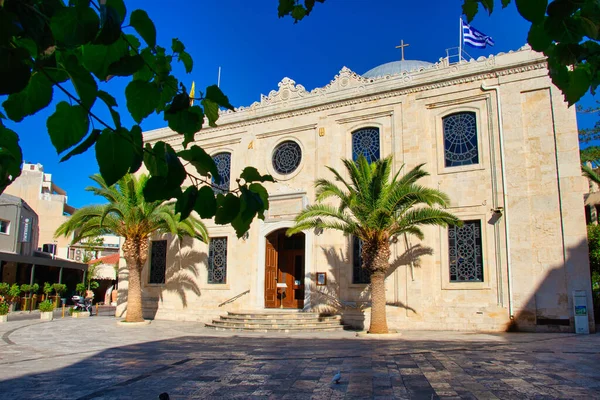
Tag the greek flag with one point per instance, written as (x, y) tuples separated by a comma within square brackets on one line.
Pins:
[(475, 38)]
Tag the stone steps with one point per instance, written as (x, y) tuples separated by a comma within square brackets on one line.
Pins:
[(276, 321)]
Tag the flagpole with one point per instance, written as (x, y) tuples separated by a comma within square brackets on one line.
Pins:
[(460, 41)]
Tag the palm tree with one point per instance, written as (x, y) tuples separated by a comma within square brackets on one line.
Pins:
[(127, 214), (591, 174), (375, 209)]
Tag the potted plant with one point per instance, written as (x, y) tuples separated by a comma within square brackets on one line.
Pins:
[(80, 289), (34, 291), (26, 299), (3, 311), (13, 294), (58, 289), (47, 310), (47, 290), (4, 288), (77, 313)]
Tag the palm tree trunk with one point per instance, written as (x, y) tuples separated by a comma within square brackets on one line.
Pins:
[(378, 317), (376, 259), (135, 253)]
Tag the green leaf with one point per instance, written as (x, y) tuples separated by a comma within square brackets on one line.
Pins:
[(119, 7), (97, 58), (251, 174), (215, 94), (67, 126), (142, 99), (155, 160), (298, 12), (11, 157), (73, 26), (144, 26), (177, 173), (27, 44), (84, 83), (185, 202), (168, 91), (579, 82), (177, 46), (145, 73), (134, 41), (505, 3), (201, 160), (186, 122), (538, 38), (264, 197), (488, 5), (285, 7), (180, 102), (114, 155), (470, 9), (83, 146), (187, 61), (14, 72), (34, 97), (157, 189), (111, 25), (137, 148), (532, 10), (211, 109), (206, 204), (228, 208), (126, 66), (107, 98)]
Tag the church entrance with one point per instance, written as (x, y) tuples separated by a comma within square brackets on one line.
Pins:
[(284, 270)]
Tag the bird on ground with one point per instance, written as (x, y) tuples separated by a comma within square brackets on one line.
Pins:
[(337, 377)]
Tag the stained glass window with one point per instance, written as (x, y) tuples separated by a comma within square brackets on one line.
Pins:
[(158, 261), (223, 161), (366, 142), (466, 259), (217, 260), (286, 157), (359, 275), (460, 139)]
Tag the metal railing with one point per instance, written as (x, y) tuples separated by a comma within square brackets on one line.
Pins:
[(234, 298)]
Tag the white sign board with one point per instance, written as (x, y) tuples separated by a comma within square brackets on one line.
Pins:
[(281, 285), (581, 312)]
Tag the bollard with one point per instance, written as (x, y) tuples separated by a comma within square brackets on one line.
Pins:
[(63, 310), (96, 309)]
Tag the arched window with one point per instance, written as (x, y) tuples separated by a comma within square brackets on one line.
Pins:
[(287, 157), (365, 142), (359, 275), (223, 161), (460, 139)]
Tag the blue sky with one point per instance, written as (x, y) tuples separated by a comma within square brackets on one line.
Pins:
[(256, 49)]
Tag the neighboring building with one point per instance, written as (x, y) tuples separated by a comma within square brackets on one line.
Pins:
[(49, 202), (19, 230), (20, 262), (85, 250), (495, 135), (104, 271)]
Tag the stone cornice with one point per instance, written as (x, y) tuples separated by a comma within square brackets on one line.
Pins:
[(349, 88)]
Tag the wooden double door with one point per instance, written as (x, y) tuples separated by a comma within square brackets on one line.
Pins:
[(284, 264)]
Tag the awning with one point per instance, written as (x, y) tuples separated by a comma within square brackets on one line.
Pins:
[(105, 272), (48, 262), (592, 198)]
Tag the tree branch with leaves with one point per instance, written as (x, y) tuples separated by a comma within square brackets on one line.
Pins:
[(78, 46)]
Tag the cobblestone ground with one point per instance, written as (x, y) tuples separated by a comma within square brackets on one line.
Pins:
[(97, 359)]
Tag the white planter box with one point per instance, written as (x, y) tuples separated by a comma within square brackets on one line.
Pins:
[(47, 316), (3, 318), (84, 314)]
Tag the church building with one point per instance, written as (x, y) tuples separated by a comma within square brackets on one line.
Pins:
[(495, 135)]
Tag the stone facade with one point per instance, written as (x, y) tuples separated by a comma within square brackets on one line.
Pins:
[(525, 185)]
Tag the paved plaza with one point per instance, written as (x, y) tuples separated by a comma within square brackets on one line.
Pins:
[(97, 359)]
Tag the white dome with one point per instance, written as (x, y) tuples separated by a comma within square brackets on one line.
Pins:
[(396, 67)]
